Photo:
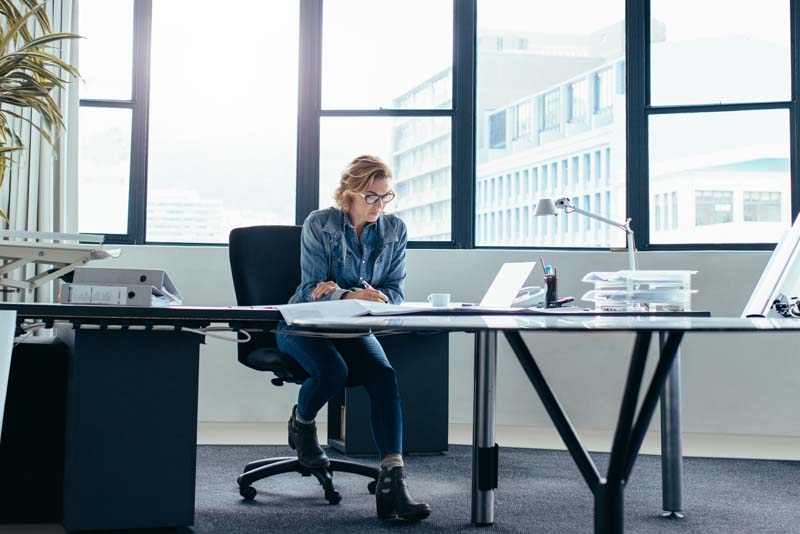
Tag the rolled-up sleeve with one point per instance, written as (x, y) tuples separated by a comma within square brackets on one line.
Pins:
[(394, 282), (314, 263)]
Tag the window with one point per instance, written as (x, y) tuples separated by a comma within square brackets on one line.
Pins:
[(576, 202), (587, 167), (603, 90), (169, 170), (525, 222), (194, 198), (719, 122), (106, 116), (762, 206), (674, 210), (713, 207), (405, 92), (708, 154), (575, 161), (597, 166), (597, 204), (497, 130), (551, 104), (525, 184), (732, 57), (658, 212), (522, 125), (576, 101), (554, 174), (716, 116), (587, 205), (500, 190), (399, 69)]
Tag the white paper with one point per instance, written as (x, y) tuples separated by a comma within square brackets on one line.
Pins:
[(345, 308), (321, 310)]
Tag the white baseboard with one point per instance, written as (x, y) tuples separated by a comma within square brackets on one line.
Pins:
[(694, 444)]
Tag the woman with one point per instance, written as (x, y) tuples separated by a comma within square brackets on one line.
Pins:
[(353, 251)]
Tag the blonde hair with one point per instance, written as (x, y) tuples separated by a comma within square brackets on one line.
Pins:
[(358, 177)]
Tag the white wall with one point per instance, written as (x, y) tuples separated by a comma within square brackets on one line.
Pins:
[(732, 383)]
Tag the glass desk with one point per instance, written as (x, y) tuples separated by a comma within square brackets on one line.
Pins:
[(632, 423)]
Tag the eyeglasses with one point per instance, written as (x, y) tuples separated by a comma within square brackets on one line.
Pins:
[(372, 198)]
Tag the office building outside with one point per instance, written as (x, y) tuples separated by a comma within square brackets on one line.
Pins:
[(550, 122)]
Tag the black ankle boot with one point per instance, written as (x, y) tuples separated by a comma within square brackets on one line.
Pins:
[(303, 437), (392, 498)]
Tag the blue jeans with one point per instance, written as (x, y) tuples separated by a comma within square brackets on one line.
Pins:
[(334, 363)]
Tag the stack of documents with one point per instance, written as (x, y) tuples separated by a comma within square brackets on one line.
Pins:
[(641, 290), (123, 287)]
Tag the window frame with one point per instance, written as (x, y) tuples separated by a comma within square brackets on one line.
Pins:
[(139, 104), (461, 114), (464, 216), (639, 109)]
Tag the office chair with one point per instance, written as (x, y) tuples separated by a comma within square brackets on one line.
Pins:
[(265, 264)]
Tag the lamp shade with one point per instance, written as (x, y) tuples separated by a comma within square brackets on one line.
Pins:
[(545, 206)]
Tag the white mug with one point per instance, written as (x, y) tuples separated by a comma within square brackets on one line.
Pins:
[(439, 300)]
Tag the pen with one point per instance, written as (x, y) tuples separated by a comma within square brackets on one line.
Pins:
[(366, 285), (541, 262)]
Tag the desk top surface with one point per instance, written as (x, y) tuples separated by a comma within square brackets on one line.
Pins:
[(209, 314), (242, 316), (604, 323), (151, 314)]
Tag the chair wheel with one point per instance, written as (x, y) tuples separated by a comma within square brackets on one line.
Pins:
[(333, 497), (247, 492), (371, 487)]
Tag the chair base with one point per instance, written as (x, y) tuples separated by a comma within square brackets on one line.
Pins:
[(268, 467)]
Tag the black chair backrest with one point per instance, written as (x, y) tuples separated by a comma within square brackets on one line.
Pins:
[(265, 264)]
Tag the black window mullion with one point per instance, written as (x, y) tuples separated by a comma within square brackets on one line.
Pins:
[(308, 109), (637, 46), (137, 201), (383, 112), (463, 126), (716, 108), (794, 127), (114, 104)]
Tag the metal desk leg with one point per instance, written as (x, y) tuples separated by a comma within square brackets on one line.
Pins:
[(671, 449), (484, 450)]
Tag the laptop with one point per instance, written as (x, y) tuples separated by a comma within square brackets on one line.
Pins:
[(506, 285)]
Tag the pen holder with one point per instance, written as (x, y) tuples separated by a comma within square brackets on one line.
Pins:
[(550, 293)]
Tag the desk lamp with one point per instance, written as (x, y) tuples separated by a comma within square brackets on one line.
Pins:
[(547, 206)]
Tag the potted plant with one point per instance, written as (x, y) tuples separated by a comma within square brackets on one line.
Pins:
[(30, 70)]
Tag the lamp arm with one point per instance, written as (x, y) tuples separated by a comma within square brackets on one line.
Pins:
[(632, 263), (624, 227)]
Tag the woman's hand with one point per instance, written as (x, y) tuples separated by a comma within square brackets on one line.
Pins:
[(372, 295), (324, 288)]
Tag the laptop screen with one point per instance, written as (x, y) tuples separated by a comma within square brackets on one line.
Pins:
[(509, 280)]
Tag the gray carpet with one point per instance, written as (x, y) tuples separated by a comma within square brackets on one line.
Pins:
[(540, 492)]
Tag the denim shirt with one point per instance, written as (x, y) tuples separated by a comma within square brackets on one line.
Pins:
[(330, 250)]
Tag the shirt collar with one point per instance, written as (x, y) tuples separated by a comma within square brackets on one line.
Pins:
[(338, 221)]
